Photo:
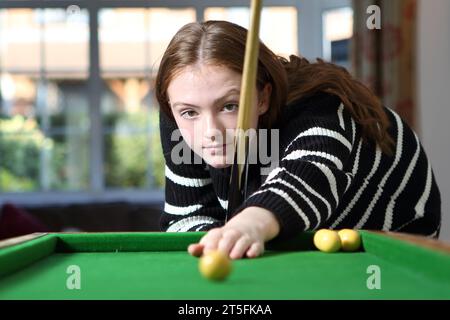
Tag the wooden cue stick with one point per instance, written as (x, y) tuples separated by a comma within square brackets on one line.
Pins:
[(246, 113)]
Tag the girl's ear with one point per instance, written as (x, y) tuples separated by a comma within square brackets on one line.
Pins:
[(264, 100)]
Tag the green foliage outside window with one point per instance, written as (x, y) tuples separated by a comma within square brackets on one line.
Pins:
[(20, 145), (127, 156)]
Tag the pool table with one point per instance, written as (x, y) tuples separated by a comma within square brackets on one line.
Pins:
[(156, 266)]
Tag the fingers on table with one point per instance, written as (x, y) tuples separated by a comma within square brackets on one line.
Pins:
[(211, 240), (195, 249), (240, 247), (233, 243), (256, 249), (228, 240)]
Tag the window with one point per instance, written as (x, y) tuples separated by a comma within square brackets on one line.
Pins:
[(337, 32), (44, 123), (274, 22), (132, 42), (77, 112)]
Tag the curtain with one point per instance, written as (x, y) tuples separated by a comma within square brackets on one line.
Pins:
[(384, 59)]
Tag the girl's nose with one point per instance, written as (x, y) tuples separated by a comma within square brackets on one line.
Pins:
[(212, 130)]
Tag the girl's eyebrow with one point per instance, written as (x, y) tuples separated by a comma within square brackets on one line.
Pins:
[(231, 91), (184, 104)]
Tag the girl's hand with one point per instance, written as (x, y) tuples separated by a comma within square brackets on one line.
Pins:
[(243, 236)]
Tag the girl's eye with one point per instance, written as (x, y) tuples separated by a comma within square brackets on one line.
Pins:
[(188, 114), (231, 107)]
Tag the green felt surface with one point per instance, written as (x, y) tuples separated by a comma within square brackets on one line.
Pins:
[(156, 266)]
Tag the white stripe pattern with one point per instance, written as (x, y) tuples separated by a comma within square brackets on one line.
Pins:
[(353, 131), (181, 211), (301, 194), (349, 180), (398, 154), (358, 194), (272, 174), (275, 172), (223, 203), (289, 200), (185, 224), (319, 131), (433, 235), (340, 116), (356, 163), (331, 179), (387, 225), (420, 206), (187, 182), (298, 154)]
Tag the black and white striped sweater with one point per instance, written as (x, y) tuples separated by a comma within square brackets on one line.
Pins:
[(327, 178)]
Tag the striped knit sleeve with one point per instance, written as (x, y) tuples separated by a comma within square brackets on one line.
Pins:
[(190, 200), (306, 186)]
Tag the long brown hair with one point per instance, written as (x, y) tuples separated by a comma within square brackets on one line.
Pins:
[(223, 43)]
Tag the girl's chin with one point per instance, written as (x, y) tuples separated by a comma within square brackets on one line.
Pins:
[(218, 165), (217, 162)]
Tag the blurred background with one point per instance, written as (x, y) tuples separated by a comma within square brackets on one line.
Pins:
[(79, 137)]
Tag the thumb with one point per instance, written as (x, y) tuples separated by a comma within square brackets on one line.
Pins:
[(196, 249)]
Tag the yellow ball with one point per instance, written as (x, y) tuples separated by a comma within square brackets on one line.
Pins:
[(327, 240), (215, 265), (350, 239)]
